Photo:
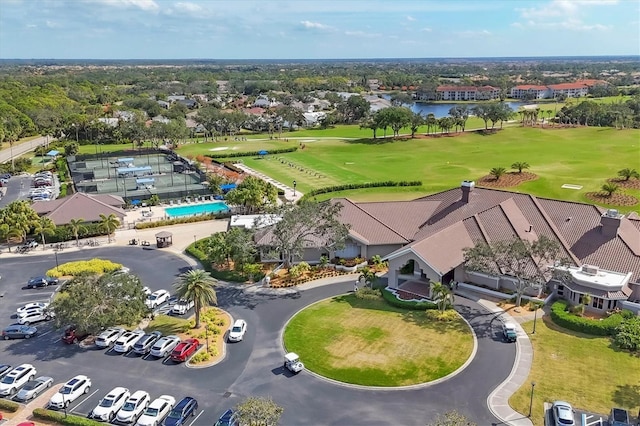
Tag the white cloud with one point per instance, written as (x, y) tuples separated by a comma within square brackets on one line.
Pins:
[(188, 7), (411, 18), (425, 30), (53, 24), (362, 34), (149, 5), (473, 34), (315, 26), (561, 14)]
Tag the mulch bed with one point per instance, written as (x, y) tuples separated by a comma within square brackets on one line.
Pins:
[(627, 184), (507, 180), (614, 199)]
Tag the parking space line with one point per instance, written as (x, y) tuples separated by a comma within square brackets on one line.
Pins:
[(197, 417), (85, 400), (46, 332), (56, 341), (586, 422)]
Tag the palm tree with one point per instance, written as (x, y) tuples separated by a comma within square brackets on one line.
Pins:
[(198, 286), (109, 224), (7, 233), (585, 300), (368, 276), (442, 295), (43, 226), (497, 172), (609, 188), (628, 174), (76, 225), (520, 165)]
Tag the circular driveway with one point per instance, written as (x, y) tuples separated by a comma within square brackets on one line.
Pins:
[(253, 366)]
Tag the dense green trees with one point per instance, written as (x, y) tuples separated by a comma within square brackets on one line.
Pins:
[(252, 195)]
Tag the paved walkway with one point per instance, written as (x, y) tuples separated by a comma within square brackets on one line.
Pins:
[(290, 193)]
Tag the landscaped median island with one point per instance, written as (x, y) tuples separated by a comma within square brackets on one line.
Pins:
[(368, 342)]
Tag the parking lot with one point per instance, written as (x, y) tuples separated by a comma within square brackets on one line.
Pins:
[(582, 418)]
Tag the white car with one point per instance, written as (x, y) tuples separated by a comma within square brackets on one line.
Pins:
[(164, 346), (182, 307), (156, 411), (29, 317), (157, 298), (127, 340), (16, 378), (109, 405), (133, 407), (109, 336), (69, 392), (31, 307), (237, 331)]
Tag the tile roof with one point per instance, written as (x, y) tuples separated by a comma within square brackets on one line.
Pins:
[(80, 206)]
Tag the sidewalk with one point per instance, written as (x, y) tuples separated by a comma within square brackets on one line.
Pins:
[(498, 400)]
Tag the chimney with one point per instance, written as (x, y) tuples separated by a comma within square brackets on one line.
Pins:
[(610, 222), (466, 186)]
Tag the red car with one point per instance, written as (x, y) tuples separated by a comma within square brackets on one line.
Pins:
[(71, 335), (185, 349)]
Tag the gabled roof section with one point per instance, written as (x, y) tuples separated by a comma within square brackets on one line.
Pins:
[(403, 217), (365, 226), (78, 206)]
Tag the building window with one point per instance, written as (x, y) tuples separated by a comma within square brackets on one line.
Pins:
[(609, 304), (597, 303), (560, 290)]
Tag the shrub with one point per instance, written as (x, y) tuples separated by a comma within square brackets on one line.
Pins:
[(446, 316), (560, 315), (534, 305), (336, 188), (201, 356), (9, 406), (368, 293), (406, 304), (84, 267), (233, 276), (62, 419), (180, 220), (627, 334), (252, 153)]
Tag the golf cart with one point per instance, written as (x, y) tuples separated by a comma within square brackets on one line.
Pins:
[(509, 332), (292, 363)]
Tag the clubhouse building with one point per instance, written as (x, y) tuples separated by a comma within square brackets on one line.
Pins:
[(423, 241)]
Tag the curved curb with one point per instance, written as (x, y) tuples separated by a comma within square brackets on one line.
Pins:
[(224, 350), (384, 388)]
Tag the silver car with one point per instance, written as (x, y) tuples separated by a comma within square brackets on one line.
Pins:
[(33, 388), (164, 346)]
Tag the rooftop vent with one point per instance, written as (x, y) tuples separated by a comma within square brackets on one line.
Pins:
[(590, 269), (612, 213)]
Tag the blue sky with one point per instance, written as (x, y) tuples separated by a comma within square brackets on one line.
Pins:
[(272, 29)]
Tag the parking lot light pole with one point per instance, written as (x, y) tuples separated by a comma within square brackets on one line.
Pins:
[(64, 406), (55, 251), (294, 187), (535, 317), (206, 335), (533, 385)]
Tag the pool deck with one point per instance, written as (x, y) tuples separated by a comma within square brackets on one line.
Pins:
[(153, 213)]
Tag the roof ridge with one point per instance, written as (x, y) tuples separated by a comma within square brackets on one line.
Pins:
[(65, 200), (485, 236), (379, 221), (555, 230)]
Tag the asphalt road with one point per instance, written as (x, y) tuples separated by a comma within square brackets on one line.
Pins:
[(18, 149), (252, 367)]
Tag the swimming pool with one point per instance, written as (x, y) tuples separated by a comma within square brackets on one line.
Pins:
[(195, 209)]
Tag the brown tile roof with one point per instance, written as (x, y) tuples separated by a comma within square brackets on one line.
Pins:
[(79, 206), (368, 226)]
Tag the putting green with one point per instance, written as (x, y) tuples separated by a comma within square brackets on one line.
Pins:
[(369, 343)]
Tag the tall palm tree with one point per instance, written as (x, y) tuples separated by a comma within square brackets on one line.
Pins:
[(43, 226), (520, 165), (497, 172), (609, 188), (7, 233), (109, 224), (198, 286), (76, 225), (628, 174)]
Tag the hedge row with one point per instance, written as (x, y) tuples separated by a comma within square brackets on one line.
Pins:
[(63, 233), (180, 220), (336, 188), (62, 419), (9, 406), (252, 153), (406, 304), (84, 267), (562, 317)]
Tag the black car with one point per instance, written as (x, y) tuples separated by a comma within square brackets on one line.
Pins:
[(41, 281), (181, 412), (18, 331)]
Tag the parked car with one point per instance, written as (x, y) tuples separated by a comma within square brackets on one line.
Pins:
[(32, 306), (509, 332), (563, 414), (30, 243), (33, 388), (125, 342), (41, 281), (109, 405), (182, 307), (181, 412), (237, 331), (157, 298), (72, 335), (70, 391), (109, 336), (184, 350), (157, 411), (4, 369), (16, 378), (619, 417), (292, 363), (133, 408), (227, 419), (144, 344), (164, 346), (18, 331), (29, 317)]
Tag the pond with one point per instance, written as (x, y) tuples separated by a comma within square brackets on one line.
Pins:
[(442, 109)]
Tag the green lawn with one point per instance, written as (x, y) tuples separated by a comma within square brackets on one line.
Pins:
[(370, 343), (583, 370)]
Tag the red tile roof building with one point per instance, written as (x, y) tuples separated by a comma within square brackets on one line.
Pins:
[(466, 93), (571, 90)]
